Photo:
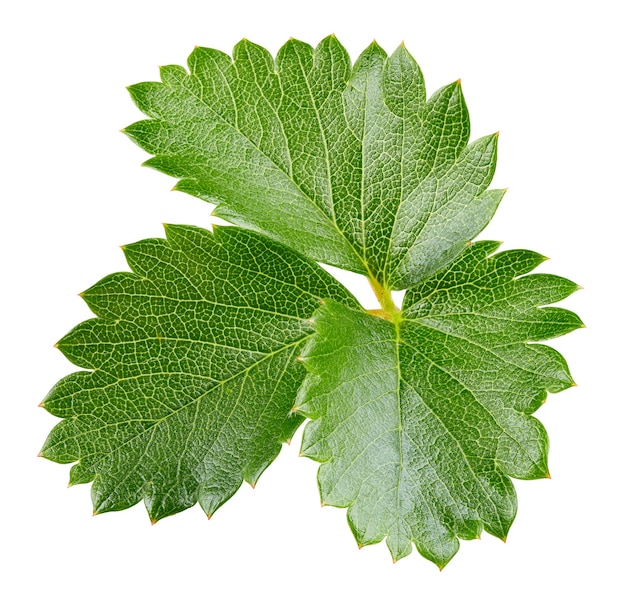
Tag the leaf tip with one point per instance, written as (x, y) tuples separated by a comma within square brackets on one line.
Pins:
[(42, 404), (496, 134), (70, 485), (153, 522), (123, 247), (360, 546), (547, 475), (209, 516), (94, 513), (402, 46), (579, 287), (573, 384), (503, 539), (322, 504), (40, 453), (56, 346)]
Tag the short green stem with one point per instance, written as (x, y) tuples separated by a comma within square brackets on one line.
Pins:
[(388, 310)]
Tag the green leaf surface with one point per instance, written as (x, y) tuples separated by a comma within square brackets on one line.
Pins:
[(419, 416), (350, 165), (194, 371), (419, 422)]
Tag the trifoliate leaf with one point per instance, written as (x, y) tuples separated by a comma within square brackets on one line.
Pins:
[(351, 166), (420, 420), (194, 369), (420, 416)]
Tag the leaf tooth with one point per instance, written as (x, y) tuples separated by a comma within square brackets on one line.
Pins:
[(303, 49), (204, 62), (79, 475), (138, 94), (252, 472), (403, 85), (446, 103), (172, 74), (212, 495)]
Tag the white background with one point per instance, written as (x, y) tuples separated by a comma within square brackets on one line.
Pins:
[(548, 75)]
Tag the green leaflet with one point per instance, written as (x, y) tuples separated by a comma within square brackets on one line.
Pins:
[(350, 166), (418, 422), (194, 371)]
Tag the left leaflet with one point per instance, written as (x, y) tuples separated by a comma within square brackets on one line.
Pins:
[(193, 369)]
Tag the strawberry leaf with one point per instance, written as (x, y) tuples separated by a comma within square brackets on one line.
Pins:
[(350, 166), (193, 369), (419, 421), (419, 416)]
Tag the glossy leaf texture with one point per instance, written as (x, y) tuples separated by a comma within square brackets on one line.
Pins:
[(350, 165), (419, 416), (193, 369), (418, 423)]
